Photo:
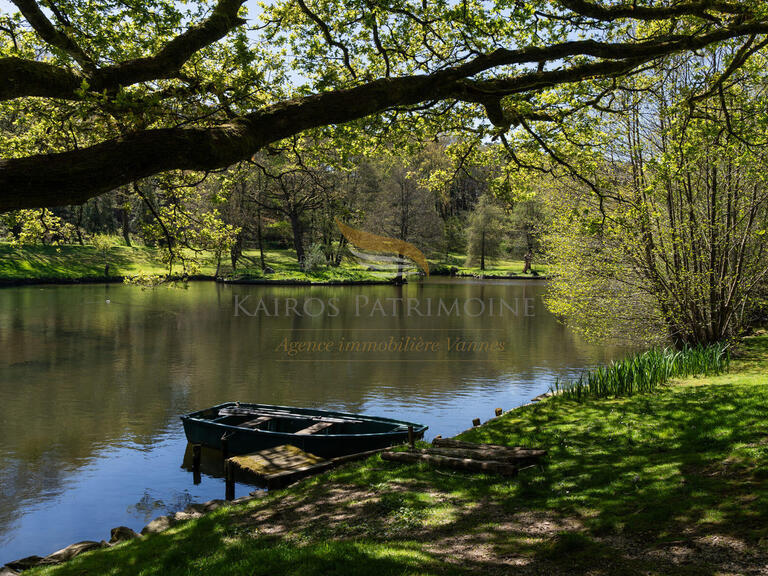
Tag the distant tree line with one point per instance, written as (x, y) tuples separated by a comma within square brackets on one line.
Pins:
[(437, 195)]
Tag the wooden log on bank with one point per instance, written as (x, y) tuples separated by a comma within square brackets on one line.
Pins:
[(512, 457), (489, 448), (469, 464)]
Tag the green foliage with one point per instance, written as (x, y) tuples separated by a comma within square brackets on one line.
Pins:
[(655, 236), (145, 280), (486, 231), (645, 372), (36, 226)]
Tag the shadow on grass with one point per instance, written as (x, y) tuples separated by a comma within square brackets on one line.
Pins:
[(68, 262), (672, 483)]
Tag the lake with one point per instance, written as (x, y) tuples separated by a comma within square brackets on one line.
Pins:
[(93, 380)]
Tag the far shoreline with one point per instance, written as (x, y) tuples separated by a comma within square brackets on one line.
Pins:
[(257, 281)]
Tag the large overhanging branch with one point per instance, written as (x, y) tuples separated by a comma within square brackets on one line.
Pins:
[(30, 78), (700, 8), (172, 56), (75, 176)]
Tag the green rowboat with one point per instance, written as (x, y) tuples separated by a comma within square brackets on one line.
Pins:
[(251, 427)]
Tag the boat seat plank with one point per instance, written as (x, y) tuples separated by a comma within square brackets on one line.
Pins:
[(314, 429), (256, 422), (245, 411)]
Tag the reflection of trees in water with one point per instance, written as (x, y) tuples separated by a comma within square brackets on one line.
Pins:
[(10, 485), (38, 477), (87, 374)]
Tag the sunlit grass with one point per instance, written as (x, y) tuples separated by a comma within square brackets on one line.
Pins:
[(74, 262)]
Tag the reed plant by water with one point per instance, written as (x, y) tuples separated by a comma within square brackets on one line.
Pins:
[(645, 372)]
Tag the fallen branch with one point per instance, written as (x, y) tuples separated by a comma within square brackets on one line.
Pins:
[(512, 457), (501, 451), (496, 467)]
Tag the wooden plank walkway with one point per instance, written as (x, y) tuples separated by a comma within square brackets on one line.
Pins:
[(281, 465)]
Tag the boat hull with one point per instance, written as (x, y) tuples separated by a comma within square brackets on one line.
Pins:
[(207, 432)]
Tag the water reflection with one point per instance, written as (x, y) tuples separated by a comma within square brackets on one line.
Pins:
[(93, 379)]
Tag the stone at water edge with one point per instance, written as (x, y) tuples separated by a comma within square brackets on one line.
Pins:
[(195, 509), (186, 515), (5, 571), (212, 505), (162, 523), (157, 525), (121, 534), (73, 550), (25, 563)]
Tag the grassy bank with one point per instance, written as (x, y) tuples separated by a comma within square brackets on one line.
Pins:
[(496, 268), (672, 482), (71, 263)]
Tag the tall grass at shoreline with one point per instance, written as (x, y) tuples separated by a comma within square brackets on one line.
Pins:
[(645, 372)]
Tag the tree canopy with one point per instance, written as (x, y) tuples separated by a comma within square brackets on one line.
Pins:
[(96, 95)]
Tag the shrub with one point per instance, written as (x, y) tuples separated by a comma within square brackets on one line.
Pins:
[(314, 259)]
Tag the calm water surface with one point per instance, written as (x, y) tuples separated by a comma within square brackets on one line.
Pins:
[(93, 380)]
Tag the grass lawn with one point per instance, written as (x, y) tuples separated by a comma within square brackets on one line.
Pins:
[(493, 268), (71, 262), (674, 482), (74, 262)]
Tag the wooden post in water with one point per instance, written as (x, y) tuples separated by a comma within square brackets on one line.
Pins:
[(197, 450), (229, 480), (499, 411), (411, 439), (225, 448), (476, 422)]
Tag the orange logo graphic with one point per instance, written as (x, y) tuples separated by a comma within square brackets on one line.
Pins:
[(405, 253)]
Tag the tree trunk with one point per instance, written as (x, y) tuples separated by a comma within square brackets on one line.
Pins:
[(126, 223), (340, 251), (79, 224), (298, 241), (482, 251), (259, 237), (237, 250)]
